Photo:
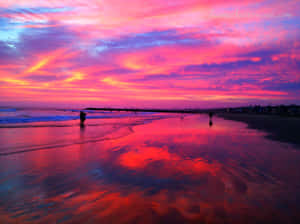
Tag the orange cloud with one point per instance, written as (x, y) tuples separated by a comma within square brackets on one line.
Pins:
[(75, 77), (45, 60)]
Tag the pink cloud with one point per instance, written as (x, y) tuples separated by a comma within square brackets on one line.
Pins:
[(194, 52)]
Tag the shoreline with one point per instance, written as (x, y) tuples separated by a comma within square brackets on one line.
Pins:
[(278, 128)]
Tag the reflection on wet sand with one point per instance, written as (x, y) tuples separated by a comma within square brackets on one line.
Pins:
[(172, 170)]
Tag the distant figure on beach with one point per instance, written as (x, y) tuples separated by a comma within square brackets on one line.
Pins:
[(210, 118), (82, 117)]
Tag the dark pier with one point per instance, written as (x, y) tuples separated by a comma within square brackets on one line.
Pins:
[(190, 111)]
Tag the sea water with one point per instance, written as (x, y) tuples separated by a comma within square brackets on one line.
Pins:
[(123, 167)]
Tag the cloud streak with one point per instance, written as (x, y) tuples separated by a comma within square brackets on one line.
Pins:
[(151, 54)]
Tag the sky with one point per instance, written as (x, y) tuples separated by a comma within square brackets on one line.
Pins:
[(149, 53)]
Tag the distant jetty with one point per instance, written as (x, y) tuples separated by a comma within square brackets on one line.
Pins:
[(191, 111), (282, 110)]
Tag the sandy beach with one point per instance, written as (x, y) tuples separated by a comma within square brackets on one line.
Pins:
[(284, 129), (143, 168)]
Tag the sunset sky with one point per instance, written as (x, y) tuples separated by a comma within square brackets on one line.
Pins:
[(149, 53)]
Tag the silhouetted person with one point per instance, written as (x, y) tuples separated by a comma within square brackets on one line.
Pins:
[(210, 118), (82, 117)]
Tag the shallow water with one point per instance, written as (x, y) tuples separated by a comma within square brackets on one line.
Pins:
[(19, 116), (146, 168)]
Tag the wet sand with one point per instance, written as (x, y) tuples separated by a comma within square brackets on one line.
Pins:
[(146, 169), (284, 129)]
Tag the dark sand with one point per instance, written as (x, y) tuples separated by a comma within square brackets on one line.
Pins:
[(284, 129)]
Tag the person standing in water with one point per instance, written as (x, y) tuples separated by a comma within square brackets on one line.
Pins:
[(82, 117), (210, 118)]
